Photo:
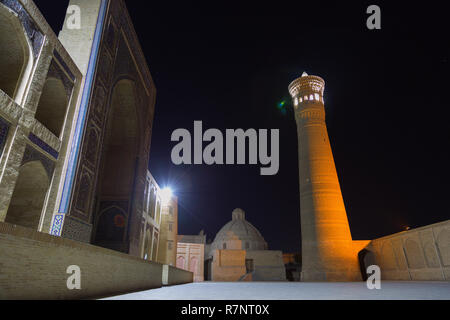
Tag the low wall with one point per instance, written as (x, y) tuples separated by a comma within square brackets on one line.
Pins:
[(34, 265), (418, 254), (268, 265), (174, 276), (228, 265)]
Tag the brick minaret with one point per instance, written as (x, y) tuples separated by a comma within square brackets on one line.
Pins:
[(328, 253)]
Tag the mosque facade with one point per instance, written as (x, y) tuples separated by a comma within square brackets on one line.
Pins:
[(76, 117)]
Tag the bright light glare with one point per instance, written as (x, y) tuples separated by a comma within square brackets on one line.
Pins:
[(166, 195)]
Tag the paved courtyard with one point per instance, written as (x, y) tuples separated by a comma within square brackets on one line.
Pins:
[(295, 291)]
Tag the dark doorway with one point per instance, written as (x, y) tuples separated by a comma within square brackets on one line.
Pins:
[(207, 270), (111, 230), (366, 258), (249, 266)]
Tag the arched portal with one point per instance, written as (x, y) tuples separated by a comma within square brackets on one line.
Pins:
[(119, 156), (28, 199), (51, 111), (15, 55)]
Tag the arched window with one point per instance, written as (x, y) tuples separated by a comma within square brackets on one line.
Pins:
[(146, 197), (224, 246), (155, 246), (193, 265), (158, 212), (152, 205), (316, 95), (147, 245), (15, 55), (28, 199), (180, 262), (51, 111)]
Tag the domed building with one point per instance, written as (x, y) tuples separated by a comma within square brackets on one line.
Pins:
[(240, 253), (239, 234)]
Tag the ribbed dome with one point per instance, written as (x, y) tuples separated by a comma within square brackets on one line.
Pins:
[(239, 234)]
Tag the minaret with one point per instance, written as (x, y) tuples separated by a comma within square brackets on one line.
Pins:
[(328, 253)]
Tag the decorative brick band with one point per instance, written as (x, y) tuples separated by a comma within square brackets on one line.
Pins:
[(44, 146), (57, 225), (64, 65)]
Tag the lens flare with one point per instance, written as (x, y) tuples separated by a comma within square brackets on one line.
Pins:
[(166, 195)]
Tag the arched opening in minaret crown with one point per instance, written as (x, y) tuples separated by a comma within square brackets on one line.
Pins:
[(15, 55)]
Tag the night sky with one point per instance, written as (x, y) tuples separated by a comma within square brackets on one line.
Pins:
[(230, 65)]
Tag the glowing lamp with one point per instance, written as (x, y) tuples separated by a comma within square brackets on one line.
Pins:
[(166, 195)]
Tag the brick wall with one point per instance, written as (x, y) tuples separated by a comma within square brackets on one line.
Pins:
[(228, 265), (418, 254), (268, 265), (33, 265)]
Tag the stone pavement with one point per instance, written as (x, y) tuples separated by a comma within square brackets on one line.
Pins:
[(390, 290)]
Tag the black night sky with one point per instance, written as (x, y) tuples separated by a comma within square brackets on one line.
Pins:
[(229, 65)]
